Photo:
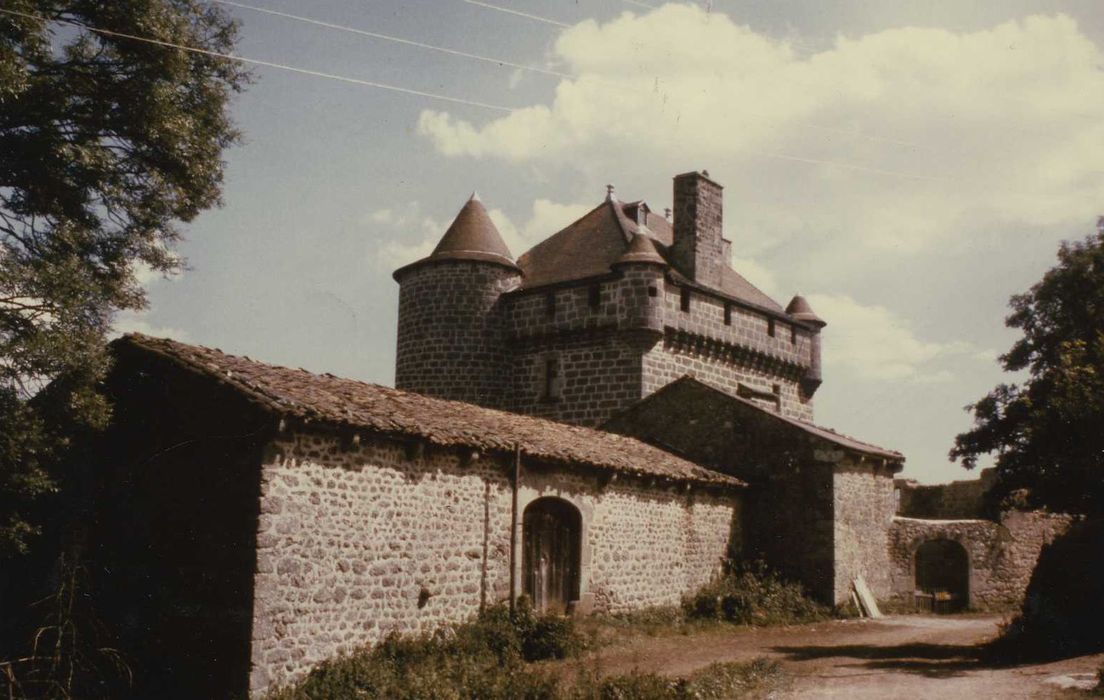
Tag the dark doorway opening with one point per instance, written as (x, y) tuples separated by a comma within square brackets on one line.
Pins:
[(551, 536), (942, 576)]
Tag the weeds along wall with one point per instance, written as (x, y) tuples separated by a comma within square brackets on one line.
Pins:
[(357, 541)]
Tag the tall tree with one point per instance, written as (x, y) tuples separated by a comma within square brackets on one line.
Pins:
[(107, 143), (1048, 433)]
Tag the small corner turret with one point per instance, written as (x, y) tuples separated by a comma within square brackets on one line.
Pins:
[(800, 310)]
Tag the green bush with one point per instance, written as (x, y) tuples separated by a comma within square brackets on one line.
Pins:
[(485, 658), (751, 594)]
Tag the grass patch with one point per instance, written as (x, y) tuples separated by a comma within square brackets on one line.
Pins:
[(718, 681), (491, 658), (486, 658)]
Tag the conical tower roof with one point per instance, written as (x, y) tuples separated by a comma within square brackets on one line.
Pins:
[(641, 250), (799, 308), (471, 236)]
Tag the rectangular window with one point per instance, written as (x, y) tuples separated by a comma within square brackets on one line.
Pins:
[(553, 379), (793, 335), (550, 304), (728, 314), (594, 296), (770, 327), (684, 298), (652, 291)]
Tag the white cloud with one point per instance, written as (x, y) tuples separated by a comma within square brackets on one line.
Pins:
[(139, 322), (896, 140), (871, 342)]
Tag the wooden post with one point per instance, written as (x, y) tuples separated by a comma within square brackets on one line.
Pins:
[(514, 527)]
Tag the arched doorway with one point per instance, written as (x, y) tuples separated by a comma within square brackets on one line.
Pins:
[(943, 572), (551, 537)]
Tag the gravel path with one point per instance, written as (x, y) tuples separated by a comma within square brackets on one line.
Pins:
[(898, 657)]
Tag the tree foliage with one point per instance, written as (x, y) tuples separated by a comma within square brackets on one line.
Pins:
[(1048, 432), (106, 145)]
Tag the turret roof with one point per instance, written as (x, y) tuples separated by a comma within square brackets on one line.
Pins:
[(799, 308), (471, 236)]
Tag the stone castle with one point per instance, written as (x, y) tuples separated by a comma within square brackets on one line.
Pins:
[(600, 315), (595, 425)]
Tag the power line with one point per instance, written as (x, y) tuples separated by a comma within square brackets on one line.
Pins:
[(519, 13), (409, 91), (268, 64), (398, 40)]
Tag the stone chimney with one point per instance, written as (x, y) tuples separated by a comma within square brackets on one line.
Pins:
[(698, 251)]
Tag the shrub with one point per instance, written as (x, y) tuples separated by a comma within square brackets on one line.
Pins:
[(751, 594), (485, 658)]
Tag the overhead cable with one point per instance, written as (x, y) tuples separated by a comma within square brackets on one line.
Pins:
[(519, 13), (398, 40), (268, 64)]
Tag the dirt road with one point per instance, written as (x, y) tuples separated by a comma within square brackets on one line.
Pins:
[(898, 657)]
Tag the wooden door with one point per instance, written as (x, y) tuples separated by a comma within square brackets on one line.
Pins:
[(551, 540)]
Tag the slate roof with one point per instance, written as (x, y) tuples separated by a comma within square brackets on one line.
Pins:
[(471, 236), (827, 434), (589, 246), (332, 400)]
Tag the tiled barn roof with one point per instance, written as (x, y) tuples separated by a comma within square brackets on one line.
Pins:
[(689, 388), (333, 400)]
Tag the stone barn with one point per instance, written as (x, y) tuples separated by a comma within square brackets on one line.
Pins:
[(255, 520), (820, 506)]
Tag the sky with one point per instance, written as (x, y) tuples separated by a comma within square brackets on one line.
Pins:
[(905, 166)]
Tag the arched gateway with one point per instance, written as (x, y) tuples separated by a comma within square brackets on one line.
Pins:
[(552, 539), (943, 572)]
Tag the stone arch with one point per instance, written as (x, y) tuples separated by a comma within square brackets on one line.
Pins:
[(941, 567), (552, 530)]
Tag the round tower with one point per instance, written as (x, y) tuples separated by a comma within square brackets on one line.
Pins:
[(642, 270), (451, 338), (799, 310)]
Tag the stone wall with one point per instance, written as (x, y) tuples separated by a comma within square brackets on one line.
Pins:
[(599, 375), (451, 339), (1001, 555), (863, 502), (355, 541), (957, 500), (699, 342)]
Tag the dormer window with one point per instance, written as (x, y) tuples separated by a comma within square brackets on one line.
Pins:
[(594, 296)]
